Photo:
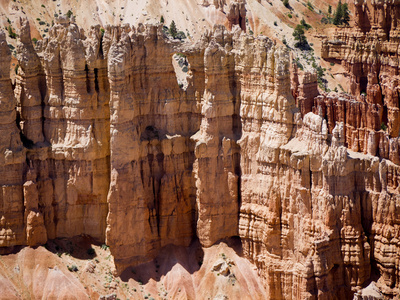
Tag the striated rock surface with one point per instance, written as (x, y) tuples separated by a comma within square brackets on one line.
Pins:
[(151, 196), (100, 139), (12, 159), (370, 118)]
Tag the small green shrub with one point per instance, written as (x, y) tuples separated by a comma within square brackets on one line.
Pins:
[(73, 268), (299, 65), (290, 16), (11, 33), (304, 24)]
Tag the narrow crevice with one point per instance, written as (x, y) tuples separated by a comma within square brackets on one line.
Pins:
[(96, 80), (42, 85), (25, 141), (87, 79)]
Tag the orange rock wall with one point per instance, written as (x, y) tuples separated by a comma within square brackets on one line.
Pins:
[(100, 139)]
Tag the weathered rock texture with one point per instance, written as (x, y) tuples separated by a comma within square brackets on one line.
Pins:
[(105, 142), (370, 124)]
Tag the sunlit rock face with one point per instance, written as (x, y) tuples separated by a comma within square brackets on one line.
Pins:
[(100, 138)]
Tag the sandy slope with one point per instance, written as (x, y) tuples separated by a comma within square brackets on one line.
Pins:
[(177, 273)]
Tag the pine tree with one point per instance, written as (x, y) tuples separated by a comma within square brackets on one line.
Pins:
[(330, 9), (337, 19), (162, 19), (345, 14), (299, 36), (172, 29)]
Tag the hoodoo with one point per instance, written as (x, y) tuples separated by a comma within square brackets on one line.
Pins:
[(168, 152)]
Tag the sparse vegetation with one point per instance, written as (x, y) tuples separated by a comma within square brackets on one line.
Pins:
[(304, 24), (327, 20), (342, 14), (383, 126), (299, 65), (322, 82), (162, 19), (11, 33), (69, 13), (173, 31), (301, 39)]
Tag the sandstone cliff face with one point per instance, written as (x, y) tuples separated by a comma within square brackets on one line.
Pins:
[(369, 53), (12, 159), (152, 196), (105, 142)]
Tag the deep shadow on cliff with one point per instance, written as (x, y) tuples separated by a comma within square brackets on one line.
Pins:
[(79, 247), (190, 258)]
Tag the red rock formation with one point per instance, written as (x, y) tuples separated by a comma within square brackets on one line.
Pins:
[(152, 195), (127, 155), (237, 15), (306, 92), (11, 159), (368, 53)]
